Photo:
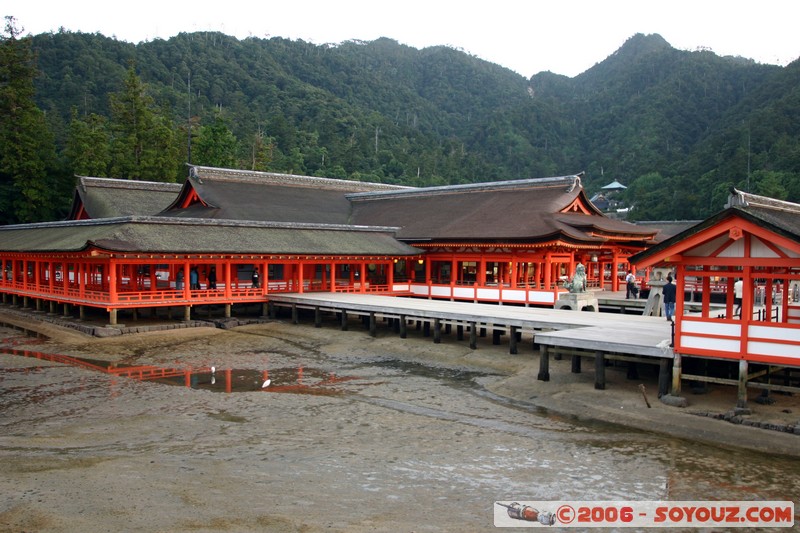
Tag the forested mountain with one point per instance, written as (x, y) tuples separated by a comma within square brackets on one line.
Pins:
[(677, 127)]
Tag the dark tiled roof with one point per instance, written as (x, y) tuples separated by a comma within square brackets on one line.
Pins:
[(512, 210), (264, 196), (169, 235), (666, 228), (106, 197)]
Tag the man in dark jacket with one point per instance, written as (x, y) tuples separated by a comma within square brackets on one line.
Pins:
[(669, 298)]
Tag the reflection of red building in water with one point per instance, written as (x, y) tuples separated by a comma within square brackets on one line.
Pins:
[(130, 245)]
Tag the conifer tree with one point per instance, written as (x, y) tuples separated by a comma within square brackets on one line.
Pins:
[(27, 151)]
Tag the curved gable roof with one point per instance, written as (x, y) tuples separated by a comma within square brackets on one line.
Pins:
[(264, 196), (775, 216), (535, 210), (106, 197)]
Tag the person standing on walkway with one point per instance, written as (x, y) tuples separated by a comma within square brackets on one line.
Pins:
[(630, 286), (669, 298), (737, 296)]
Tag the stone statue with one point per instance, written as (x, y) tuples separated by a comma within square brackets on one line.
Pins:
[(578, 281)]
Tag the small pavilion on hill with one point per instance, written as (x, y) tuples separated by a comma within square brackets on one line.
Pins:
[(228, 236), (744, 264)]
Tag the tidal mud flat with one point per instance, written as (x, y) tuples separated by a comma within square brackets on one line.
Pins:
[(353, 433)]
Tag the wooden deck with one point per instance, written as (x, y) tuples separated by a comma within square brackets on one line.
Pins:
[(631, 334)]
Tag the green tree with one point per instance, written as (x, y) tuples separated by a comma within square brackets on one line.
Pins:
[(88, 145), (28, 187), (143, 144), (216, 146)]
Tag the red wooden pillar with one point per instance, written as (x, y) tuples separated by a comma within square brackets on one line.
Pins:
[(65, 276), (112, 281), (363, 269), (548, 272), (706, 296), (226, 278), (300, 275)]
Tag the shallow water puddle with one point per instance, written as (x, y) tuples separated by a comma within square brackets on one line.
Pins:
[(298, 380)]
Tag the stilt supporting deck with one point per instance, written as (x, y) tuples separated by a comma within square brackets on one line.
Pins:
[(112, 317), (663, 377), (576, 364), (227, 310), (512, 341), (187, 313), (317, 317), (473, 335), (294, 314), (676, 375), (403, 327), (344, 319), (373, 327), (599, 371), (544, 364), (460, 332), (81, 312), (437, 331), (741, 397)]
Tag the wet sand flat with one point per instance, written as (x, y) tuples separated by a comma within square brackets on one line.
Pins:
[(353, 433)]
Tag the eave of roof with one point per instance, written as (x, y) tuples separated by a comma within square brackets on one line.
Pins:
[(170, 235)]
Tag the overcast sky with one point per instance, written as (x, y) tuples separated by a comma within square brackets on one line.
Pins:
[(527, 36)]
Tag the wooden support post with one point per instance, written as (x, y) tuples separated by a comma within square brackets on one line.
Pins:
[(295, 320), (271, 310), (373, 328), (403, 327), (82, 312), (187, 313), (448, 328), (437, 331), (317, 317), (112, 317), (576, 364), (483, 332), (599, 371), (663, 377), (741, 396), (512, 341), (534, 344), (460, 332), (426, 329), (53, 307), (496, 334), (66, 310), (633, 370), (544, 364), (227, 310), (26, 302), (473, 335), (38, 305), (344, 319), (676, 374)]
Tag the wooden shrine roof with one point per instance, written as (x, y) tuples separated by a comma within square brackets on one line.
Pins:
[(532, 210), (777, 216), (106, 197), (170, 235), (264, 196)]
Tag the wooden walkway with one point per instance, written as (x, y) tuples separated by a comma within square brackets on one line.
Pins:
[(580, 334), (606, 332)]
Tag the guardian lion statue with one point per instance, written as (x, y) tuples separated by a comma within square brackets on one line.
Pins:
[(578, 281)]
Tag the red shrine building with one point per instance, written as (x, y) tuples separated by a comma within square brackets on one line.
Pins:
[(754, 241), (227, 237)]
